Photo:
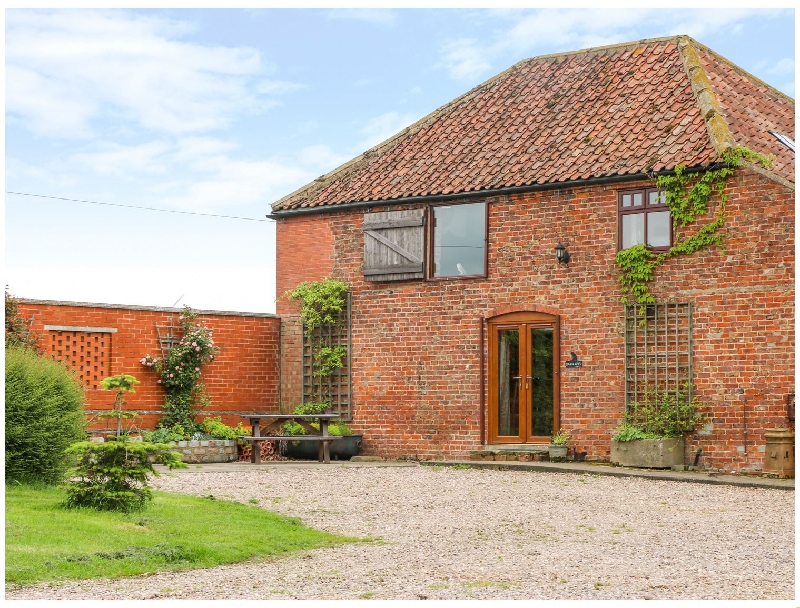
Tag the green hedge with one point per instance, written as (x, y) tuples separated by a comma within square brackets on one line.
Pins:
[(44, 415)]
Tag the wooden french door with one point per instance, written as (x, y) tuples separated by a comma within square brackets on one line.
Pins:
[(523, 378)]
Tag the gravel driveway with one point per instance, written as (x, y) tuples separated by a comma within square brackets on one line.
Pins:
[(484, 534)]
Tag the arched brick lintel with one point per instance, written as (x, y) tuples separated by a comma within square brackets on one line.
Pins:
[(504, 310)]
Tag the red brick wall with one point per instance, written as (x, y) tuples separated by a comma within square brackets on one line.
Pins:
[(311, 261), (416, 344), (243, 377)]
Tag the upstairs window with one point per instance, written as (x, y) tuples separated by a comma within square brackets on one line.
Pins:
[(458, 241), (644, 218)]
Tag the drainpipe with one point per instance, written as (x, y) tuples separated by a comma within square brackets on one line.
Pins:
[(482, 384), (744, 426), (280, 365)]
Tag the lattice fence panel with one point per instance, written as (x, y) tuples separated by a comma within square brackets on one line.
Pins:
[(658, 351), (88, 353), (336, 388)]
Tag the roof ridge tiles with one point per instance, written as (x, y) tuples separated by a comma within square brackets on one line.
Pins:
[(545, 106)]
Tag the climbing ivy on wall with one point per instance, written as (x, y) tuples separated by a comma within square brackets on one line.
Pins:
[(320, 304), (687, 196)]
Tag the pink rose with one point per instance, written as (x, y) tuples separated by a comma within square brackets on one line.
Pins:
[(197, 349), (197, 369)]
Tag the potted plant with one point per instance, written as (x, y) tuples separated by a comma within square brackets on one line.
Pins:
[(342, 449), (651, 434), (558, 446)]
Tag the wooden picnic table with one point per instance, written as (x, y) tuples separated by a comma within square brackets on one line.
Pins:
[(275, 422)]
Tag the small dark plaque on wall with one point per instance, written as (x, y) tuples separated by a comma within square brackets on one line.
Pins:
[(574, 362)]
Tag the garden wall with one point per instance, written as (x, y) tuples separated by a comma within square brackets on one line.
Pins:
[(100, 340)]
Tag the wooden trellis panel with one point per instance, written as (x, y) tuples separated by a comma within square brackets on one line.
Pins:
[(658, 351), (338, 386)]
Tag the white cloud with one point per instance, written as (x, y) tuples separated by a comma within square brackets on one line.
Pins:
[(67, 71), (525, 33), (781, 68), (236, 184), (381, 128), (322, 157), (465, 59), (121, 160)]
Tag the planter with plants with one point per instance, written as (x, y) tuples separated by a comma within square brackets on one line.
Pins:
[(558, 448), (651, 435), (214, 442), (343, 449)]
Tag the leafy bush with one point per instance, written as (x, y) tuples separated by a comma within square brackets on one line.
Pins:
[(219, 430), (626, 432), (334, 428), (180, 372), (112, 476), (165, 435), (44, 415), (662, 416), (17, 331)]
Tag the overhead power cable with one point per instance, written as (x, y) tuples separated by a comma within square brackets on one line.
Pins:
[(75, 200)]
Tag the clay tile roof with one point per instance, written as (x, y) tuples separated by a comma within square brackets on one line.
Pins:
[(610, 111)]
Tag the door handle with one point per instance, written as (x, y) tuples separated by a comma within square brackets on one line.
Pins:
[(526, 379)]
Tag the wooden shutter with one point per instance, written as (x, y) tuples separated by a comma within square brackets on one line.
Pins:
[(394, 245)]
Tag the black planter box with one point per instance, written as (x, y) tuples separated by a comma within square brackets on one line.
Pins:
[(341, 449)]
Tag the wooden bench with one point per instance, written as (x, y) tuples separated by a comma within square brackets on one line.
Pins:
[(324, 454)]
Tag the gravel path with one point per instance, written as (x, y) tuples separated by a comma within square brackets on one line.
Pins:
[(483, 534)]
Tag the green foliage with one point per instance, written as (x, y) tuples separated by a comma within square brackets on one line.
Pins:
[(560, 438), (112, 476), (165, 435), (45, 542), (656, 416), (687, 196), (334, 428), (328, 359), (17, 331), (122, 383), (43, 415), (219, 430), (637, 268), (180, 372), (312, 407), (339, 428), (627, 432), (320, 302)]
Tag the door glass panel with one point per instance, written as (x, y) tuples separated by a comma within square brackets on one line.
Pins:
[(541, 381), (508, 382)]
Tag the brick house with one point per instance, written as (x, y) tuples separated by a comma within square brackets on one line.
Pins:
[(465, 331)]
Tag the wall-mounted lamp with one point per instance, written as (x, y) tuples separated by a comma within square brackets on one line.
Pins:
[(562, 255)]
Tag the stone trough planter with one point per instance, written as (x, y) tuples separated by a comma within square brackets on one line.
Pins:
[(648, 453), (206, 450)]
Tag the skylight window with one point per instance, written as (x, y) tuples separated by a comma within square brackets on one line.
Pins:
[(786, 141)]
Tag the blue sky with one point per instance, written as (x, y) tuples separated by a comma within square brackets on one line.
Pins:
[(222, 112)]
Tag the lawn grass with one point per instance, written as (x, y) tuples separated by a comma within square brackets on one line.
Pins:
[(45, 542)]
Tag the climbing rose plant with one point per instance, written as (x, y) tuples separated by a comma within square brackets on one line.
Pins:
[(180, 372)]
